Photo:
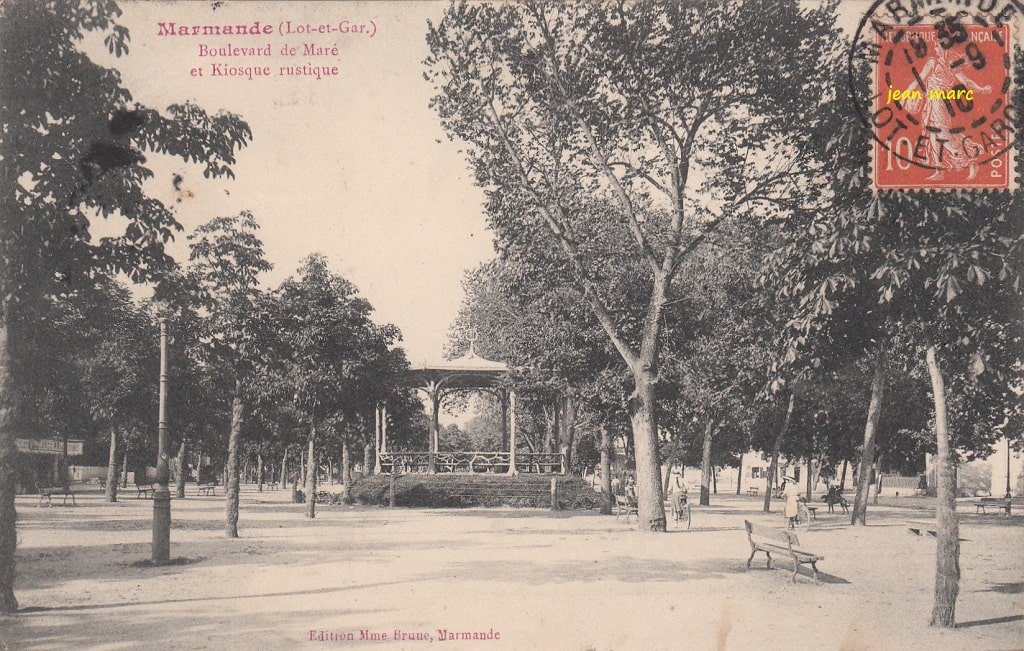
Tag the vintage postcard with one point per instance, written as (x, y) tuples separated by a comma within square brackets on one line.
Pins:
[(511, 324)]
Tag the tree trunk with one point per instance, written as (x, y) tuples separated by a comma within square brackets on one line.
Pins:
[(810, 478), (947, 552), (346, 467), (842, 479), (182, 470), (8, 465), (606, 470), (112, 478), (311, 477), (878, 478), (367, 459), (284, 469), (860, 500), (124, 466), (705, 464), (666, 479), (774, 465), (231, 505), (568, 430), (259, 472), (714, 480), (550, 426), (739, 474), (650, 502), (65, 476)]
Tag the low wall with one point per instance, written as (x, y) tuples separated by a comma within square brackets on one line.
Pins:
[(453, 490)]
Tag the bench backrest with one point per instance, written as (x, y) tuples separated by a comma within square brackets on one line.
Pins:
[(780, 536)]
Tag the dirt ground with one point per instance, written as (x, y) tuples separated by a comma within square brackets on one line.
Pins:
[(535, 578)]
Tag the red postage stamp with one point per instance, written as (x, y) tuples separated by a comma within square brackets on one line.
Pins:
[(942, 113)]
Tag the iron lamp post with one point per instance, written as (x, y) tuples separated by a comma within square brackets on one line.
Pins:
[(162, 494)]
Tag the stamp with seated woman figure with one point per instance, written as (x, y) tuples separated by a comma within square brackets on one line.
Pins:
[(940, 105)]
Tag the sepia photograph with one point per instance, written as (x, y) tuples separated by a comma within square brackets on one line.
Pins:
[(583, 325)]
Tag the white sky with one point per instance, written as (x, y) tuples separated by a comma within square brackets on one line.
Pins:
[(348, 166)]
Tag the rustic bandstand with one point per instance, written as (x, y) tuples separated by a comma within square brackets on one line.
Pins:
[(470, 372)]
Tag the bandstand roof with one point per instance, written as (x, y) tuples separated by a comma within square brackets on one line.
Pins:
[(471, 371)]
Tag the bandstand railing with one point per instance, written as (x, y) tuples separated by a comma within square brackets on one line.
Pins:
[(472, 462)]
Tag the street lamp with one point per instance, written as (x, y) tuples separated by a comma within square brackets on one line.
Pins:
[(162, 494), (1008, 494)]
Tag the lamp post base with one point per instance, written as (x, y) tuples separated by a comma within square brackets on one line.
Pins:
[(161, 525)]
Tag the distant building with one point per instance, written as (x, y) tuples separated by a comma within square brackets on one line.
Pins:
[(987, 476)]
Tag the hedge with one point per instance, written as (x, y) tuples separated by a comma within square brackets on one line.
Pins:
[(455, 491)]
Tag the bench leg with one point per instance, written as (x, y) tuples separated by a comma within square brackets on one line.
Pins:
[(769, 555), (814, 566), (752, 552), (796, 568)]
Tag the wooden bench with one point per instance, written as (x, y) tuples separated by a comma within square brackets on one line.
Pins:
[(997, 503), (768, 540), (144, 490), (48, 493), (207, 488), (753, 491), (624, 507), (813, 510)]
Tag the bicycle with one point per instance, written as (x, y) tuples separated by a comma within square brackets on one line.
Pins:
[(681, 511)]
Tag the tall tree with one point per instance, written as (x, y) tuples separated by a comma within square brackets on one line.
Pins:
[(226, 260), (944, 270), (74, 146), (579, 116), (119, 380), (339, 363)]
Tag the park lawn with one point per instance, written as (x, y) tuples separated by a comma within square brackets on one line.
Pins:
[(540, 579)]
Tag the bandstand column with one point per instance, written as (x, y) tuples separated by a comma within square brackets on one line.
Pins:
[(377, 439), (503, 399), (512, 433), (434, 406)]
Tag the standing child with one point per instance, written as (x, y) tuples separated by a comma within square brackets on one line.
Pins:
[(792, 493)]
